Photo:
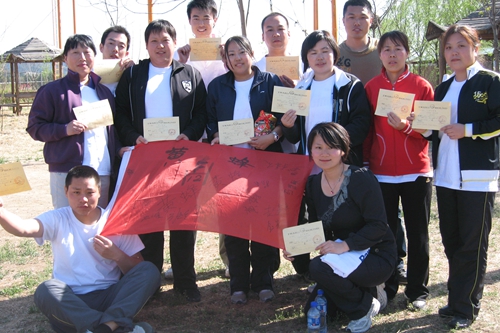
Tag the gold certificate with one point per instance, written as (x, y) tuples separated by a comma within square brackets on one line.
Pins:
[(431, 115), (233, 132), (96, 114), (285, 99), (288, 66), (303, 238), (394, 101), (159, 129), (13, 179), (204, 49), (109, 70)]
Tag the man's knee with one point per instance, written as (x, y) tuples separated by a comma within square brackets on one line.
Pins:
[(147, 271), (48, 291)]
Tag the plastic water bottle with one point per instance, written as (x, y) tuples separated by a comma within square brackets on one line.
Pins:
[(313, 318), (321, 301)]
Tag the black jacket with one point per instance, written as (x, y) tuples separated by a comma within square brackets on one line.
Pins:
[(479, 105), (188, 100)]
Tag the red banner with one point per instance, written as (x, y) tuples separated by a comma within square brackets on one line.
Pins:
[(185, 185)]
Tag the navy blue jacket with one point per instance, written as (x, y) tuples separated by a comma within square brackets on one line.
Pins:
[(221, 99)]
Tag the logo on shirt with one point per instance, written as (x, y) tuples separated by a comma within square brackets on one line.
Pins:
[(187, 86), (480, 97)]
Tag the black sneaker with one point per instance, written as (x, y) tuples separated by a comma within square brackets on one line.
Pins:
[(459, 323), (192, 295)]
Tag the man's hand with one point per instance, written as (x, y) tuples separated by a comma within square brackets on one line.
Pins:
[(75, 127), (123, 150), (287, 255), (105, 247), (126, 63), (140, 140), (182, 136), (184, 53)]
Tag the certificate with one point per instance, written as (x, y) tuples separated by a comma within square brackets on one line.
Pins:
[(204, 49), (159, 129), (233, 132), (13, 179), (288, 66), (109, 70), (303, 238), (431, 115), (96, 114), (285, 99), (394, 101)]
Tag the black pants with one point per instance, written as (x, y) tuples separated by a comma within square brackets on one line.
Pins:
[(416, 201), (465, 224), (264, 259), (352, 295), (181, 254)]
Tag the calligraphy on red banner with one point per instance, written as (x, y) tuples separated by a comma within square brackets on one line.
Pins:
[(184, 185)]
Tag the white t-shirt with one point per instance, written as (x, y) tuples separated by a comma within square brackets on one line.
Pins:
[(321, 106), (158, 98), (209, 70), (76, 263), (242, 109), (95, 141)]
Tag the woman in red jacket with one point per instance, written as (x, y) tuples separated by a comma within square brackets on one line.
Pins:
[(398, 156)]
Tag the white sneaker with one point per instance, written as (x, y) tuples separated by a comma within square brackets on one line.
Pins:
[(227, 273), (382, 296), (142, 327), (169, 274), (363, 324)]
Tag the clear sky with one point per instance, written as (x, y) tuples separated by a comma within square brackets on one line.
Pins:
[(23, 19)]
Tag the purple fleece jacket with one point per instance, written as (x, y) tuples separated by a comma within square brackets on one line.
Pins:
[(52, 109)]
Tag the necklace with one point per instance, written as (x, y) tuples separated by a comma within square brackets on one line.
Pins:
[(332, 191)]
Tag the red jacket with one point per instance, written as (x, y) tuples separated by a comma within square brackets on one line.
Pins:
[(390, 152)]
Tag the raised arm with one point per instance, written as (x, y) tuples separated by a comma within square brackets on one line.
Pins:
[(16, 226)]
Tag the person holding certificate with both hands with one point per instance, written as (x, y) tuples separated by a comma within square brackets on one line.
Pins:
[(465, 160), (398, 156), (245, 92), (348, 200)]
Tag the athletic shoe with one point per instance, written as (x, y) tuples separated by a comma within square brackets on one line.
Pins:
[(239, 297), (363, 324), (169, 274), (382, 296)]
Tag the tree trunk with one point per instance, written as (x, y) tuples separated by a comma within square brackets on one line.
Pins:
[(493, 20), (242, 18)]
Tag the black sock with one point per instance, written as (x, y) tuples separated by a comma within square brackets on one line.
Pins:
[(103, 328)]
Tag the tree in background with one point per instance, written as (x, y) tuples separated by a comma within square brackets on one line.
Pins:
[(412, 16)]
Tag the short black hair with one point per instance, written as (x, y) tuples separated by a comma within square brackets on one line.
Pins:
[(158, 26), (360, 3), (397, 37), (82, 171), (334, 135), (313, 39), (242, 42), (116, 29), (271, 15), (78, 40), (203, 5)]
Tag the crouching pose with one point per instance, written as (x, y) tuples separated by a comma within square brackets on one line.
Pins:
[(86, 293)]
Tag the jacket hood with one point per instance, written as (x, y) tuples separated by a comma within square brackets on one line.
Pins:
[(341, 79)]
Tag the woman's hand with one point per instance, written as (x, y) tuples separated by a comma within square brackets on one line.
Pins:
[(75, 127), (396, 122), (332, 247), (287, 255), (140, 140), (123, 150), (454, 131), (410, 119), (261, 142), (288, 119)]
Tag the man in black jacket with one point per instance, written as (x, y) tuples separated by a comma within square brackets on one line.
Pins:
[(162, 87)]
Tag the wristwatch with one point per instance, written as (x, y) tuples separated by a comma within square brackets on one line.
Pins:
[(276, 136)]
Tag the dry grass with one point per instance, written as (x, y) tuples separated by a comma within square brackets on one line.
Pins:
[(22, 266)]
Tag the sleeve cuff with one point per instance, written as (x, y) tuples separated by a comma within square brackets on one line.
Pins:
[(468, 130)]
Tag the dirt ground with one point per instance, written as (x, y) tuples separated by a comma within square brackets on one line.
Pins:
[(168, 312)]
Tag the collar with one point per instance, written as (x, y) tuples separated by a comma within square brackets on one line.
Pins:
[(471, 71), (258, 77), (341, 79), (403, 75), (74, 77)]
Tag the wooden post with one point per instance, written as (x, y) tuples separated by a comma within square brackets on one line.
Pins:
[(334, 21), (59, 23), (315, 8), (74, 18), (150, 11), (17, 108)]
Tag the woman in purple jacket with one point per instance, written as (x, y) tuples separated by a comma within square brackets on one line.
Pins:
[(68, 142)]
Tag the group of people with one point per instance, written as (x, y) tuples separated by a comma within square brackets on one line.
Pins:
[(99, 283)]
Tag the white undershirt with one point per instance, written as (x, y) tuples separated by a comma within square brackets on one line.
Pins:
[(158, 97), (321, 106), (242, 108), (95, 141)]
